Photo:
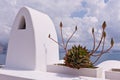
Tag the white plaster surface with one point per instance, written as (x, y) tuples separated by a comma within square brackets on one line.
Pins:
[(107, 65), (30, 48), (112, 75), (38, 75), (77, 72)]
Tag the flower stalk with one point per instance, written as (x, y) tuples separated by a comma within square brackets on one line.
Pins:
[(78, 56)]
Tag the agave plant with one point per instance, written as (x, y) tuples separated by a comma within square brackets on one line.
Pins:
[(78, 56)]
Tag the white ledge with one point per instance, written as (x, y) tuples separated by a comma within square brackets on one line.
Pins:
[(32, 75), (38, 75)]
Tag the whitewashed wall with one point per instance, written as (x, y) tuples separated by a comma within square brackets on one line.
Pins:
[(29, 47)]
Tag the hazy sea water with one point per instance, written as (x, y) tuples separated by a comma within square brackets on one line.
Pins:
[(2, 58), (113, 55)]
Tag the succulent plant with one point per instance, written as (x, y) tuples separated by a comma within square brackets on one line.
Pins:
[(78, 56)]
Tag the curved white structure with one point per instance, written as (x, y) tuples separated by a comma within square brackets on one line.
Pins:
[(29, 47), (109, 64)]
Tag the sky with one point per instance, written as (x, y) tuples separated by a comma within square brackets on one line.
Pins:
[(83, 13)]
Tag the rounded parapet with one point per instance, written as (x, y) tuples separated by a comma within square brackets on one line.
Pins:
[(29, 47)]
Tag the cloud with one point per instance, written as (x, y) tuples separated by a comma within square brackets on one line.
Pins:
[(53, 8), (83, 13)]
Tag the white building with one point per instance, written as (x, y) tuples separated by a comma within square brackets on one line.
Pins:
[(29, 47)]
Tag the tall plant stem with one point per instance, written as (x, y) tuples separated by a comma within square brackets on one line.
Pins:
[(97, 46), (70, 38), (56, 42), (93, 42), (101, 53), (62, 37)]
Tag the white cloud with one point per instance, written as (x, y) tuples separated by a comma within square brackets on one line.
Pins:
[(96, 11)]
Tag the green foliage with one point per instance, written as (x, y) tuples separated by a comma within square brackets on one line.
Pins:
[(78, 57)]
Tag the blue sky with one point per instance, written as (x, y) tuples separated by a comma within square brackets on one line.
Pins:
[(83, 13)]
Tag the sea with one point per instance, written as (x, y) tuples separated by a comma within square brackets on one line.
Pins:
[(112, 55)]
